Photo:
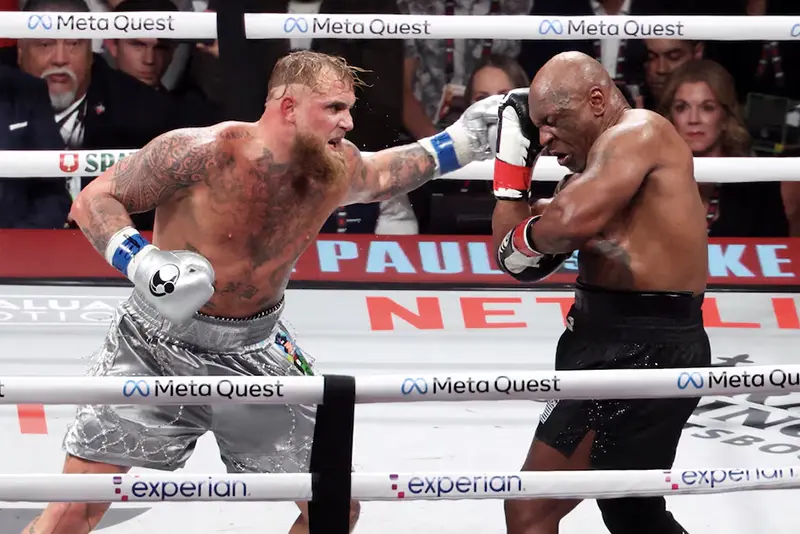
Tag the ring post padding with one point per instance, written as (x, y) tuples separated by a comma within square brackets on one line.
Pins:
[(332, 457)]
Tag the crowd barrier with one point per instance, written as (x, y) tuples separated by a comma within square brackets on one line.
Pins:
[(331, 484)]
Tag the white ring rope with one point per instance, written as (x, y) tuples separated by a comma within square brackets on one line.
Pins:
[(397, 486), (541, 385), (187, 25), (66, 164)]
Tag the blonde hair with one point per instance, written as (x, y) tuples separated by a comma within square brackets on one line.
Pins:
[(306, 68), (734, 137)]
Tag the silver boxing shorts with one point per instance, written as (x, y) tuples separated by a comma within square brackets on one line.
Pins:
[(257, 438)]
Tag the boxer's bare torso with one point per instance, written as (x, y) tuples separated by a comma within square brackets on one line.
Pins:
[(632, 207), (245, 216), (658, 241), (224, 193)]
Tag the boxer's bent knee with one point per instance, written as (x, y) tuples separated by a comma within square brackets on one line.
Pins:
[(634, 515)]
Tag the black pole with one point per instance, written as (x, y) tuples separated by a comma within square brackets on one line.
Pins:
[(245, 63), (332, 458)]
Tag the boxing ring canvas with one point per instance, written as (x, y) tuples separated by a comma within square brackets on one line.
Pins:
[(54, 330)]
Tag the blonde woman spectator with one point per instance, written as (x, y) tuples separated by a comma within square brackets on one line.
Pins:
[(700, 99)]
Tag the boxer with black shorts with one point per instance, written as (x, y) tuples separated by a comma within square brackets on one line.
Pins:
[(632, 210)]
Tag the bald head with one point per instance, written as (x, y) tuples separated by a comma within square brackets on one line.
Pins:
[(572, 101), (568, 76)]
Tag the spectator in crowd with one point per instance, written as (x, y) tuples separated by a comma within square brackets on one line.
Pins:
[(663, 57), (767, 75), (765, 67), (464, 206), (26, 123), (494, 75), (97, 107), (622, 58), (435, 75), (436, 70), (145, 59), (256, 56), (700, 100)]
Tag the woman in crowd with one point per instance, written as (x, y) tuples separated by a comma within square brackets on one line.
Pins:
[(463, 206), (496, 75), (700, 100)]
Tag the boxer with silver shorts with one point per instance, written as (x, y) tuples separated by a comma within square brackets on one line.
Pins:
[(236, 204)]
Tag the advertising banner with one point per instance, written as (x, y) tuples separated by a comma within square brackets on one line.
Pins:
[(388, 260)]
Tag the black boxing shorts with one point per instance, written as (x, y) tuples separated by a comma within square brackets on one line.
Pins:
[(626, 330)]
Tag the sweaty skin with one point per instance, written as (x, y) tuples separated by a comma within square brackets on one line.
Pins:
[(234, 194), (632, 210)]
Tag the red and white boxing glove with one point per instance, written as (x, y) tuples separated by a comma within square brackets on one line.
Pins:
[(518, 257), (517, 147)]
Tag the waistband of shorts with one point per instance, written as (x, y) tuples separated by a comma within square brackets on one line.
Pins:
[(206, 331), (620, 305), (645, 315)]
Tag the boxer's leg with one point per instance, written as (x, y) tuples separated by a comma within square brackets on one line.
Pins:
[(268, 438), (644, 434), (112, 439), (563, 441)]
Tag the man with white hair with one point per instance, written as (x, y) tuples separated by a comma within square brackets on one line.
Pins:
[(97, 107), (66, 66)]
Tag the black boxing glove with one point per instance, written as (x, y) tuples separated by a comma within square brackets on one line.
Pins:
[(517, 257), (517, 147)]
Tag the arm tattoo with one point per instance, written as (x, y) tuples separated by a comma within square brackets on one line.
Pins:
[(147, 178), (106, 217), (393, 172), (172, 162)]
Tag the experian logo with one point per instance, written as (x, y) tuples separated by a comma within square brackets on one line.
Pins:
[(455, 486), (211, 488)]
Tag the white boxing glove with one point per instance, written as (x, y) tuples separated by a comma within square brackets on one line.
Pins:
[(468, 139), (175, 283)]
